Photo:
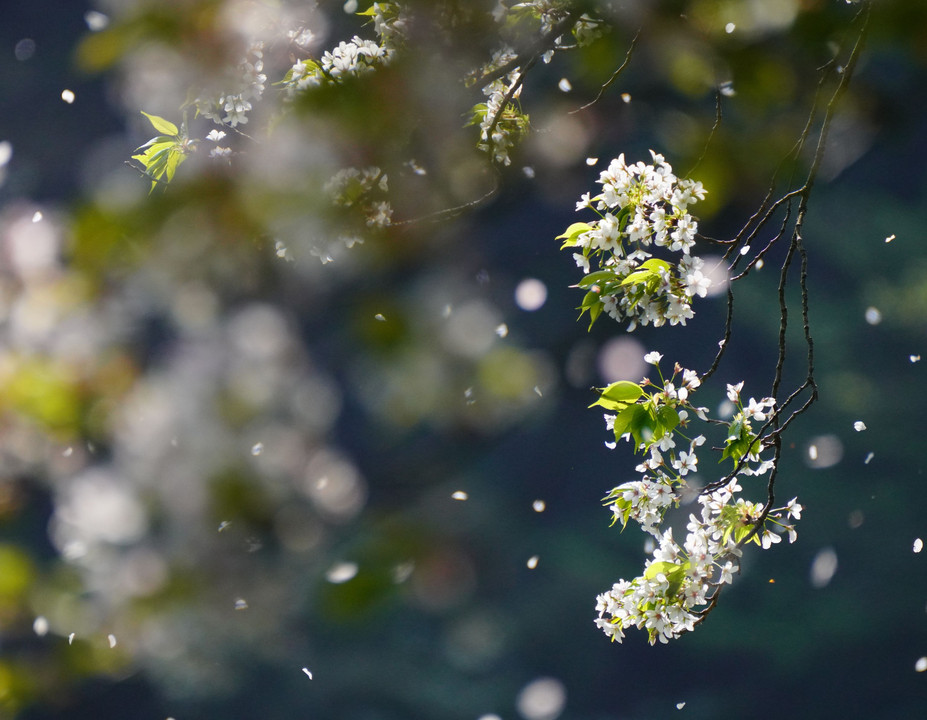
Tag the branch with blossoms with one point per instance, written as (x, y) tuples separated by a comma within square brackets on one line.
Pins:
[(639, 267), (638, 250), (502, 123), (550, 26), (681, 582)]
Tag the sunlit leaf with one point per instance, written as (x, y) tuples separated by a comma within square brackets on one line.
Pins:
[(162, 125)]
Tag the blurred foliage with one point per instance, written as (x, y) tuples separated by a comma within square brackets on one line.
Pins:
[(215, 398)]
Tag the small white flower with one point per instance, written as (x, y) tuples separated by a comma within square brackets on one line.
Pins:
[(733, 391), (687, 462), (215, 135), (584, 202), (769, 539), (755, 410), (653, 358), (697, 283)]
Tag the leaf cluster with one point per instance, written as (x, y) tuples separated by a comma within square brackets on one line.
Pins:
[(163, 154)]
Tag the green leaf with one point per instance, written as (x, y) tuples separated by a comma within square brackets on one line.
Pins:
[(594, 313), (623, 391), (571, 234), (668, 419), (625, 418), (590, 299), (162, 125), (173, 160), (674, 573), (643, 426), (655, 264), (618, 395), (638, 276), (596, 277)]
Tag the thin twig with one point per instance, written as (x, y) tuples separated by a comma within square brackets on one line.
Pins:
[(608, 83)]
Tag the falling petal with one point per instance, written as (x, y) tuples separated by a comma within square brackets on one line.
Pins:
[(564, 85), (308, 672), (341, 572), (859, 426), (921, 664), (890, 238), (502, 330), (403, 572), (459, 495), (680, 706), (257, 448), (241, 604), (914, 358), (96, 21), (380, 316), (918, 545), (40, 626), (112, 640), (67, 96), (533, 562), (539, 506)]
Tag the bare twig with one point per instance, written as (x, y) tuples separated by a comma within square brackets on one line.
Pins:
[(611, 80)]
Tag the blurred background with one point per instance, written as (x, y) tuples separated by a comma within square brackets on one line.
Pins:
[(260, 460)]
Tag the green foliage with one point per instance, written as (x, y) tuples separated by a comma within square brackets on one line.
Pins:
[(673, 572), (619, 395), (741, 440), (163, 154), (570, 236)]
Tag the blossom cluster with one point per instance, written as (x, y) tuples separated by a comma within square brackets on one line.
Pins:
[(548, 13), (501, 121), (352, 187), (352, 58), (232, 105), (679, 580), (641, 207)]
